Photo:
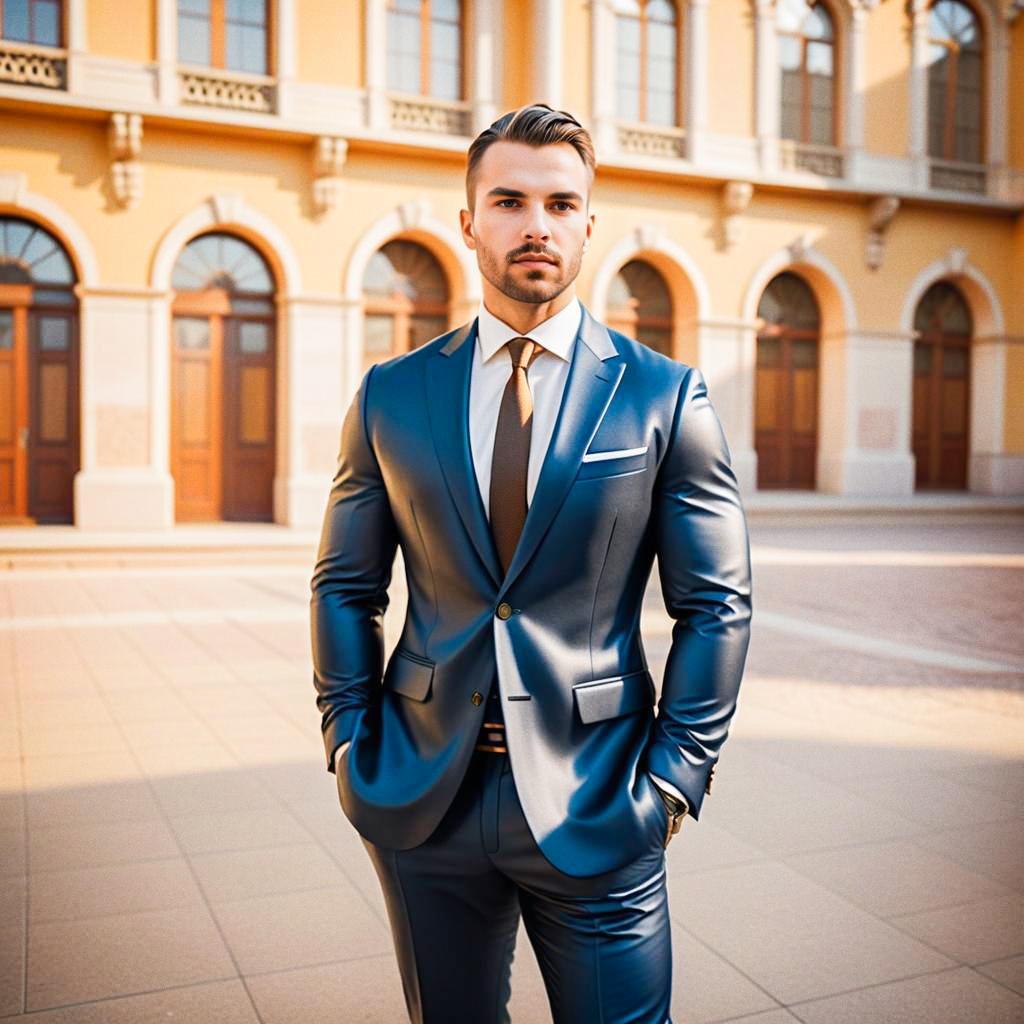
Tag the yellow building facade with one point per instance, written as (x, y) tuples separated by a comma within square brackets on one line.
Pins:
[(215, 214)]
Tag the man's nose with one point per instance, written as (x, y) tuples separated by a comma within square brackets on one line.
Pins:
[(536, 228)]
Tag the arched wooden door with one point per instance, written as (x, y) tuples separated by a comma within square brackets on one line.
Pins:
[(640, 306), (407, 300), (786, 385), (223, 382), (39, 370), (942, 383)]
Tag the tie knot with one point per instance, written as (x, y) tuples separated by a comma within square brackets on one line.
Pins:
[(523, 351)]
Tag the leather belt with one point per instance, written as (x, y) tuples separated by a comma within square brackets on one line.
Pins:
[(492, 738)]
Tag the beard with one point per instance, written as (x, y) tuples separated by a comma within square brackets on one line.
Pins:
[(536, 286)]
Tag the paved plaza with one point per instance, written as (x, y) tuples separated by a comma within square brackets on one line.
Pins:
[(172, 848)]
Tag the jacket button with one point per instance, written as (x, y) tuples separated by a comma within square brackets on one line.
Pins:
[(504, 610), (477, 698)]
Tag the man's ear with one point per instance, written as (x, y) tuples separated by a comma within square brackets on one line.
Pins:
[(590, 229), (466, 225)]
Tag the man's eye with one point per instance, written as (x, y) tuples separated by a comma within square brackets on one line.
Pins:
[(508, 202), (563, 205)]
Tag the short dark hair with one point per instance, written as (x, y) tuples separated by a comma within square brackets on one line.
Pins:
[(535, 125)]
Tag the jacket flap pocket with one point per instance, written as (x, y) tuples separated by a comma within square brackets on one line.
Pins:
[(408, 675), (619, 695)]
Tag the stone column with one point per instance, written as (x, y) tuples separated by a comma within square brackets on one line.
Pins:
[(287, 58), (696, 37), (767, 114), (725, 354), (316, 391), (547, 80), (917, 143), (602, 76), (124, 482), (485, 65), (167, 52), (376, 15)]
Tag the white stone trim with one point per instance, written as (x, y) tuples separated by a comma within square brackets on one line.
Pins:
[(636, 243), (694, 23), (413, 220), (14, 193), (485, 62), (548, 61), (224, 210), (602, 80), (375, 57), (767, 118)]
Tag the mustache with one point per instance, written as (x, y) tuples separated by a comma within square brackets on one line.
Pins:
[(532, 250)]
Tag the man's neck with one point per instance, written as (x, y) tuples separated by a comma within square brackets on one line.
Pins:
[(525, 316)]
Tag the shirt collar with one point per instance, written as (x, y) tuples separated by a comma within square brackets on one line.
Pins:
[(556, 334)]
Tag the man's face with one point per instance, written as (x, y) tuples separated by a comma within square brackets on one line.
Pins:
[(530, 224)]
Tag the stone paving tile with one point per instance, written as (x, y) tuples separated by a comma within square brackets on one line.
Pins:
[(209, 792), (707, 988), (1007, 972), (83, 846), (96, 958), (156, 705), (704, 845), (237, 830), (219, 1002), (12, 967), (300, 929), (952, 997), (363, 991), (896, 878), (83, 805), (114, 889), (770, 1017), (792, 936), (73, 741), (974, 932), (996, 850), (244, 874), (1003, 779), (13, 859)]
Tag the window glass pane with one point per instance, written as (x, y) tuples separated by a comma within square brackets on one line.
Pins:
[(252, 11), (661, 10), (201, 7), (954, 362), (193, 41), (661, 41), (425, 328), (404, 52), (446, 10), (6, 330), (661, 109), (16, 20), (922, 360), (53, 269), (409, 6), (819, 59), (444, 41), (444, 81), (253, 338), (805, 354), (192, 332), (790, 53), (821, 127), (54, 333), (818, 24), (250, 305), (769, 353), (46, 24), (628, 35), (629, 7), (246, 49), (627, 104), (790, 14), (53, 297), (628, 69), (378, 332), (661, 75)]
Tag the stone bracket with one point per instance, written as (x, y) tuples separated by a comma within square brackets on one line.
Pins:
[(880, 215), (124, 143)]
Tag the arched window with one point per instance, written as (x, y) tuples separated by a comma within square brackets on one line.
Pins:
[(39, 449), (223, 381), (32, 21), (640, 306), (942, 363), (407, 300), (955, 76), (230, 34), (807, 60), (425, 48), (786, 384), (647, 61)]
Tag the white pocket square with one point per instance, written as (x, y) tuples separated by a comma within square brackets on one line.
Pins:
[(620, 453)]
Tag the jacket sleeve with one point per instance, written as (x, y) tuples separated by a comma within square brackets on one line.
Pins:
[(350, 584), (704, 565)]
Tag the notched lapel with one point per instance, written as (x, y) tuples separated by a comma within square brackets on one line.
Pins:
[(593, 378), (447, 382)]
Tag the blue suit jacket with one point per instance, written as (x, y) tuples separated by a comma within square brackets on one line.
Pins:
[(579, 702)]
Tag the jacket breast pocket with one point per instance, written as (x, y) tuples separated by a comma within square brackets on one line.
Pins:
[(601, 699), (613, 463), (409, 675)]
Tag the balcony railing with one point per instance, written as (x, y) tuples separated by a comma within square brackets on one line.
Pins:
[(423, 114), (651, 140), (952, 176), (24, 64), (825, 161), (231, 90)]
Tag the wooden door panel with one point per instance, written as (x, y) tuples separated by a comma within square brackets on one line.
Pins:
[(53, 455), (940, 412), (13, 412)]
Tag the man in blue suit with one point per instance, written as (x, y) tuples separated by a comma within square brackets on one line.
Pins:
[(509, 759)]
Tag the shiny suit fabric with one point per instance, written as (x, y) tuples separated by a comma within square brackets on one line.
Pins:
[(637, 469)]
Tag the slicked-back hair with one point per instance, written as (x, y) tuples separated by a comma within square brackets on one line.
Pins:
[(534, 125)]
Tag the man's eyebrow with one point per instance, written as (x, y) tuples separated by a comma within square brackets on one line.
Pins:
[(512, 193)]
